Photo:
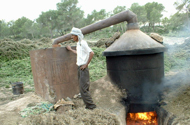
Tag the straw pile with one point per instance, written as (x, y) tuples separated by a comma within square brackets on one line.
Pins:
[(10, 49), (80, 116)]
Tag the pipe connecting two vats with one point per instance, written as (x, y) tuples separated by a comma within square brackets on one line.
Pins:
[(128, 16), (135, 62)]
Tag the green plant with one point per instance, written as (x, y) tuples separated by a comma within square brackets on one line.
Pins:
[(15, 71), (98, 64)]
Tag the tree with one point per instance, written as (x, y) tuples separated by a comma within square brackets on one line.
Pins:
[(121, 26), (154, 13), (140, 12), (184, 7), (177, 21), (11, 27), (32, 29), (17, 27), (4, 29), (95, 16), (166, 24), (48, 20), (69, 15)]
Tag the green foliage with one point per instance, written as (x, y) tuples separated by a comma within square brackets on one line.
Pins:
[(48, 20), (173, 62), (15, 62), (98, 64), (10, 50), (69, 15), (18, 28), (178, 57), (121, 27), (181, 24), (154, 13), (140, 12), (103, 33), (157, 29), (183, 5), (4, 29), (16, 71), (95, 16), (32, 29)]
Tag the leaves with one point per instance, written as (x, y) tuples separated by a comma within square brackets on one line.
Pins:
[(97, 66), (140, 12)]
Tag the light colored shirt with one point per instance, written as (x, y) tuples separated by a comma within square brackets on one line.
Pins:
[(83, 52)]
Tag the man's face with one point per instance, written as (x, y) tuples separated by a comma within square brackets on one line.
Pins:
[(75, 38)]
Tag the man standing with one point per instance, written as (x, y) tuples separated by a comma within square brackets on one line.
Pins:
[(84, 56)]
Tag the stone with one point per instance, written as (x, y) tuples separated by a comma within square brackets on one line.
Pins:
[(106, 42), (156, 37)]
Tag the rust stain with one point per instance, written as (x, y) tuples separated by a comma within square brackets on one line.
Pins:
[(54, 73)]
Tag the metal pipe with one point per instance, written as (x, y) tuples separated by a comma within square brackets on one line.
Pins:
[(127, 15)]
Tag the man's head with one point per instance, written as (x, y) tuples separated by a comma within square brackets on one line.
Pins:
[(75, 38), (76, 34)]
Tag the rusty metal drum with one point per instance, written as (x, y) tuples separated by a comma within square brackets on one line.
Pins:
[(54, 73)]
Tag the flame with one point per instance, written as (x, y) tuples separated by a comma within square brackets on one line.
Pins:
[(145, 118)]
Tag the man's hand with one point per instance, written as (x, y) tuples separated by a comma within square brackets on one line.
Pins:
[(56, 45), (68, 48), (83, 67)]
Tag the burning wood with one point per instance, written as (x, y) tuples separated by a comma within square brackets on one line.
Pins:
[(145, 118)]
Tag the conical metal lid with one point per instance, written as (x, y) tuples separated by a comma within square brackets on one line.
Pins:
[(134, 42)]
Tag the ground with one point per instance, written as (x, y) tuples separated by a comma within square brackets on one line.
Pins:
[(177, 96), (11, 105)]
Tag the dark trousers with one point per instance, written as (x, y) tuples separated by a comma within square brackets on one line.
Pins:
[(84, 84)]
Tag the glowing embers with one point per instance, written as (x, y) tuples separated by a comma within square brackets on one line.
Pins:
[(145, 118)]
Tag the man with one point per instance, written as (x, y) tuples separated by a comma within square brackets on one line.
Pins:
[(84, 56)]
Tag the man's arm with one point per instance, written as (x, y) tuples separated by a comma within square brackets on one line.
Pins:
[(89, 59), (72, 50)]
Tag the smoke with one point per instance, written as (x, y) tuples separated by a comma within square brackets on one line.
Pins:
[(174, 83), (177, 61), (179, 78), (177, 56), (177, 71)]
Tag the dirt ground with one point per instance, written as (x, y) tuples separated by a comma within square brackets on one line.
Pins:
[(176, 98), (12, 105)]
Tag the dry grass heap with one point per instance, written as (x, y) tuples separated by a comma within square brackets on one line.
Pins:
[(10, 49), (80, 116)]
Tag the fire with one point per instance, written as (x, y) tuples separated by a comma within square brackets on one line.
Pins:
[(145, 118)]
